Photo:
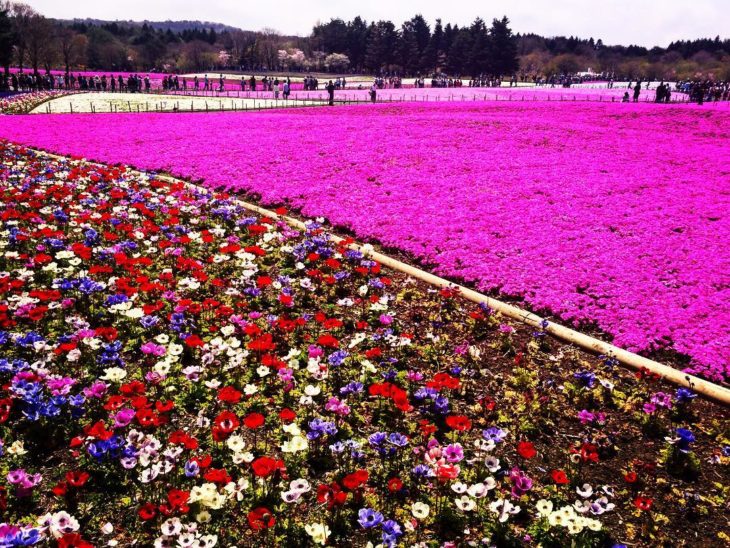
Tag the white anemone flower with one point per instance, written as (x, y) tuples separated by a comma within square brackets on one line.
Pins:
[(465, 503)]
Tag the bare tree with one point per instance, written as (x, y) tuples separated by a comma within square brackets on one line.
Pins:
[(67, 44), (267, 47), (39, 40), (242, 44), (197, 55), (22, 15)]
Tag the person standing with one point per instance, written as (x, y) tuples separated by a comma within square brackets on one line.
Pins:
[(373, 93), (331, 92), (660, 93), (637, 91)]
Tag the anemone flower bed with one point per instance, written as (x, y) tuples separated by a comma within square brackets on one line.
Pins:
[(179, 372), (23, 103), (571, 206)]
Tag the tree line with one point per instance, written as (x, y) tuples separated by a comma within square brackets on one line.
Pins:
[(35, 43)]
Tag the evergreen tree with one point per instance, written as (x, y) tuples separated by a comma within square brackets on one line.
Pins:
[(422, 33), (357, 41), (503, 48), (6, 39), (478, 61), (459, 51), (382, 42), (449, 35), (408, 48), (152, 47), (331, 37), (433, 55), (415, 36)]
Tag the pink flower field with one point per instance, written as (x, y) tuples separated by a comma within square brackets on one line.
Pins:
[(456, 94), (610, 215)]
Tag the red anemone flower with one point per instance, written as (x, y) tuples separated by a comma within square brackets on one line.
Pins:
[(147, 511), (254, 420), (266, 466), (287, 415), (261, 518), (355, 480), (631, 477), (73, 540), (224, 425), (228, 394), (458, 422), (526, 449), (395, 485), (643, 503), (559, 477), (77, 478)]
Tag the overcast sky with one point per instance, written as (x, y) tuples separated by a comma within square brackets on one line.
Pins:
[(643, 22)]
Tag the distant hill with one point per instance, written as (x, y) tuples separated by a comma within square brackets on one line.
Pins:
[(174, 26)]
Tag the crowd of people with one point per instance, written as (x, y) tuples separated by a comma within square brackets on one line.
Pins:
[(29, 82), (311, 83), (483, 81), (567, 80), (389, 82), (663, 93), (696, 90), (445, 81), (705, 90)]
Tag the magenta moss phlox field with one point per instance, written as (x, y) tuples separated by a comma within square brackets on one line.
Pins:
[(614, 215)]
